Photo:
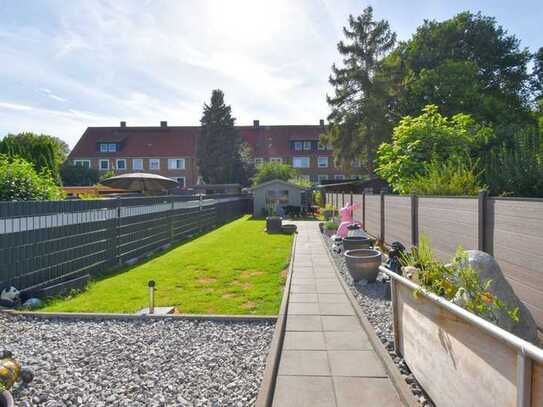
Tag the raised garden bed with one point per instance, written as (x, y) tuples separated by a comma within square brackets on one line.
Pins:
[(479, 363)]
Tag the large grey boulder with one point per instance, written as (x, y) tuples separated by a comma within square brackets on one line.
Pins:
[(488, 268)]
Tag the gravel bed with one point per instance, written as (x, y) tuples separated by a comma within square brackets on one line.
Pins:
[(374, 300), (138, 363)]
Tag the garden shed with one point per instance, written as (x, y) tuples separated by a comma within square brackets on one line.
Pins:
[(275, 194)]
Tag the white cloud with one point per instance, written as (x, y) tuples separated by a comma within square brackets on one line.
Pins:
[(14, 106)]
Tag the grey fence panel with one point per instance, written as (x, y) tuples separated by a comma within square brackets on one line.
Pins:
[(358, 211), (449, 223), (373, 214), (40, 247), (398, 219), (514, 233)]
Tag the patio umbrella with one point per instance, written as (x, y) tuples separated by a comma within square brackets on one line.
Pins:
[(139, 181)]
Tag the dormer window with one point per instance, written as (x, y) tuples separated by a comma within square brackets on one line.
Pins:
[(108, 147)]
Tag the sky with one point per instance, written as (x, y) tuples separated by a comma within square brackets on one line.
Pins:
[(66, 65)]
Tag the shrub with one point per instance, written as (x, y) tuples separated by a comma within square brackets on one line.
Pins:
[(19, 181), (417, 141), (301, 182), (453, 177), (78, 176), (456, 282), (330, 226), (270, 171), (317, 198)]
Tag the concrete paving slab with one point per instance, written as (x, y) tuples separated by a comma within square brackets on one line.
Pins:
[(304, 391), (335, 309), (371, 392), (303, 308), (360, 363), (304, 363), (333, 298), (340, 323), (301, 297), (304, 323), (356, 340), (304, 341)]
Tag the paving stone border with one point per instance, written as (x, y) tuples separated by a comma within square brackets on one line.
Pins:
[(396, 377), (92, 316), (267, 386)]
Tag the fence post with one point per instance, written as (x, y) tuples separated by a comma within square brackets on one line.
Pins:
[(382, 235), (414, 220), (170, 217), (200, 213), (117, 230), (364, 210), (351, 198), (482, 220), (342, 199)]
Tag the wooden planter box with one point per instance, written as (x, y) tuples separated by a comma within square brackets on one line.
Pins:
[(460, 359)]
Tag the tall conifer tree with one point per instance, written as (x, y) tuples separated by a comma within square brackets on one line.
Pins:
[(218, 150)]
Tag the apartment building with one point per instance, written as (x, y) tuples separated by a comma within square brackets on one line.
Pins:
[(171, 150)]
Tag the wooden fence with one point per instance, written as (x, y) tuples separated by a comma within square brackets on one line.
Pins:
[(510, 229), (48, 243)]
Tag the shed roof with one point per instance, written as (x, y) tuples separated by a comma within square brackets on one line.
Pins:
[(277, 181)]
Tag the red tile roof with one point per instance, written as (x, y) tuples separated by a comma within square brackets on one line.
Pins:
[(266, 141)]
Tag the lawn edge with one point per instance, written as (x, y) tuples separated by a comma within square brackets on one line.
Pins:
[(93, 316), (267, 385), (404, 392)]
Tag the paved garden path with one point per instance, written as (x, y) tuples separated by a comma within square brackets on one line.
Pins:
[(327, 359)]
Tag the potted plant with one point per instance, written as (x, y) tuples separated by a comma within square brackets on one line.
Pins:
[(330, 228), (328, 212), (273, 221)]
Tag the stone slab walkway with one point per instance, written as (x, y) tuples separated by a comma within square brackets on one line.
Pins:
[(327, 359)]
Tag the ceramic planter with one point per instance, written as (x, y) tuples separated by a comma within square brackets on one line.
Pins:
[(6, 399), (357, 242), (363, 264)]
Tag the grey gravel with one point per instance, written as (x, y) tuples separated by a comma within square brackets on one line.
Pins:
[(139, 362), (374, 301)]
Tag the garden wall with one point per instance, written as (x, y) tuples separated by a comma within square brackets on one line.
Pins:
[(511, 229), (48, 243)]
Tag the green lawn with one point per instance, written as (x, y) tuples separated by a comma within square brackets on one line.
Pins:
[(236, 269)]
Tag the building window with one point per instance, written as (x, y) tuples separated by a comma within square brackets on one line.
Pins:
[(300, 162), (137, 164), (307, 145), (329, 147), (298, 145), (323, 177), (200, 180), (176, 164), (323, 162), (305, 177), (108, 147), (321, 146), (121, 164), (154, 164), (355, 163), (339, 177), (276, 160), (104, 165), (180, 181), (259, 162), (83, 163)]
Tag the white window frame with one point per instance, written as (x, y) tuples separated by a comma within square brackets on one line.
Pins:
[(172, 163), (108, 147), (176, 179), (298, 145), (100, 165), (154, 161), (200, 180), (137, 160), (323, 165), (82, 163), (339, 177), (117, 163), (322, 177), (259, 162), (277, 160), (301, 158), (307, 145)]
